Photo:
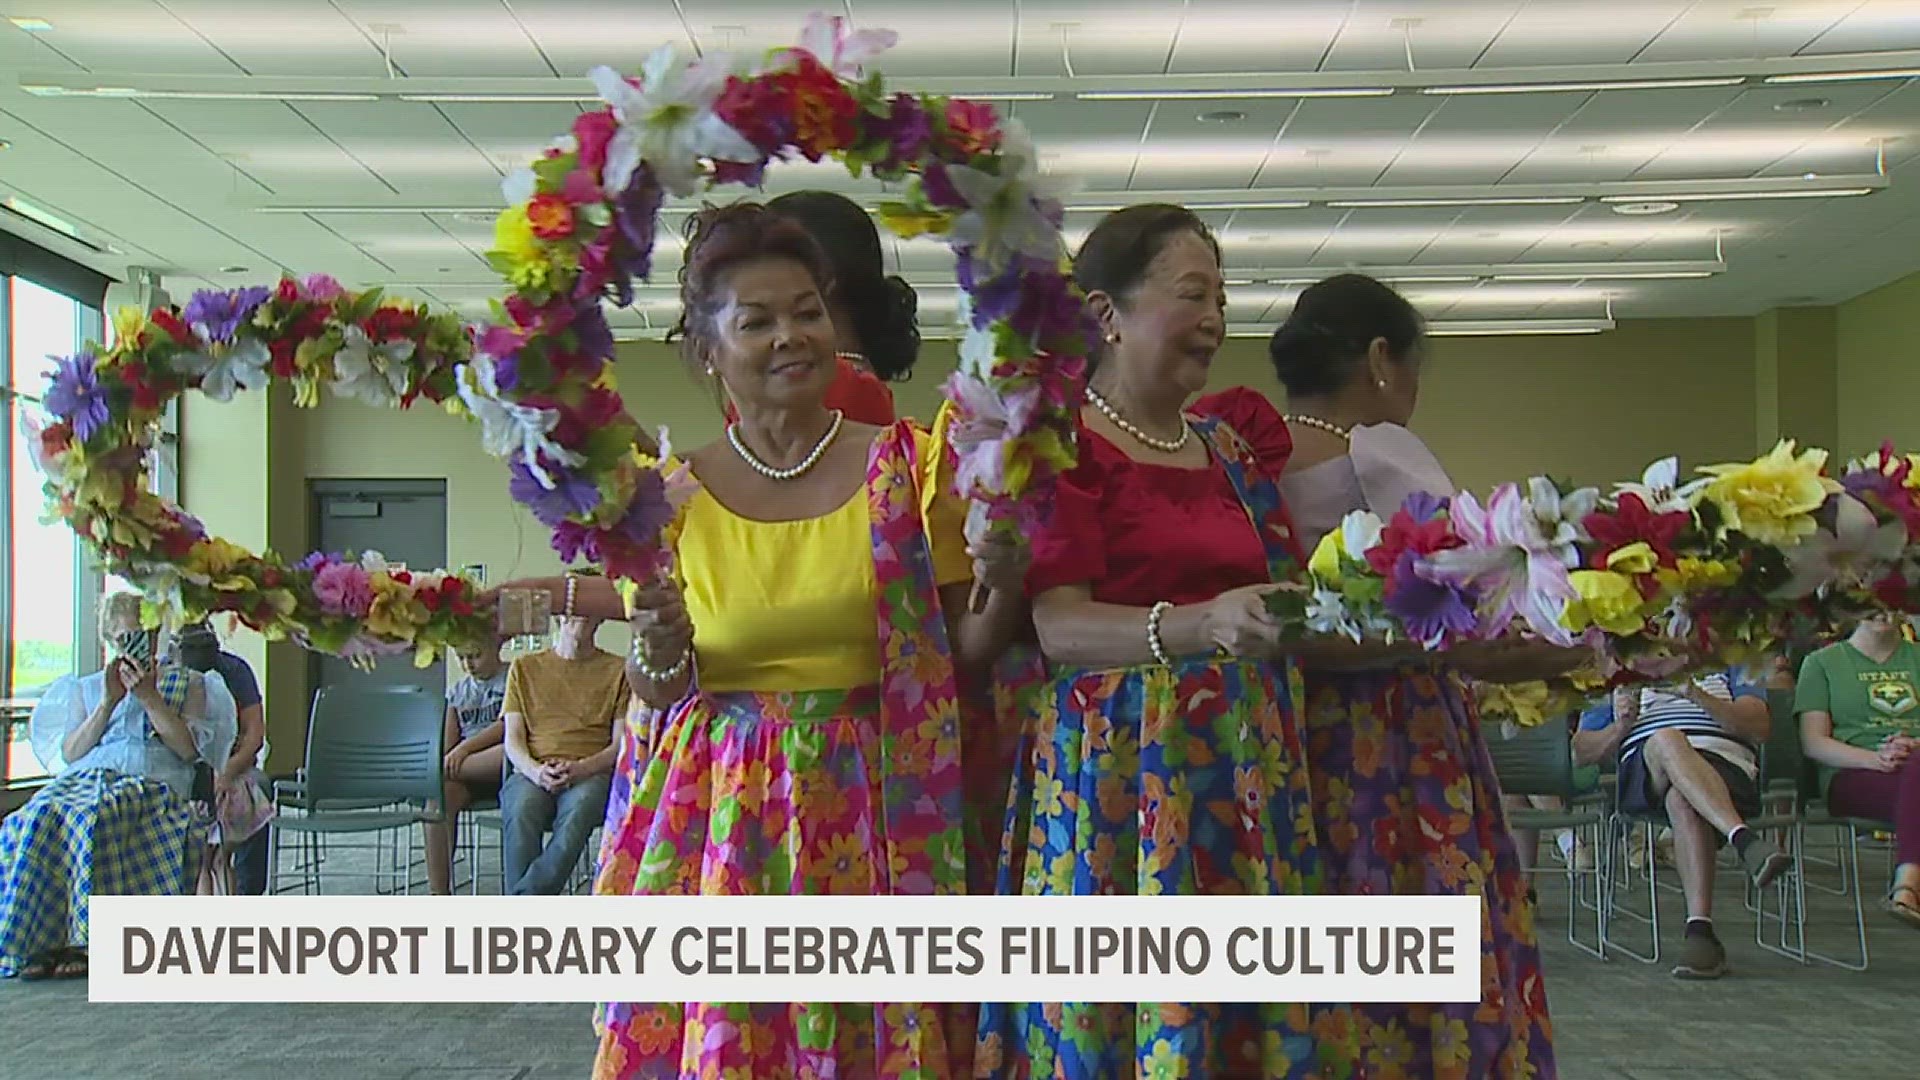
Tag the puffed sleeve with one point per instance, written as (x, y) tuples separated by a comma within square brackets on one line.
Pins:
[(944, 512), (61, 708), (861, 395), (1252, 417), (1069, 547), (1392, 463), (212, 718)]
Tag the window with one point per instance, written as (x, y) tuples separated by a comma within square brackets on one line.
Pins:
[(46, 594)]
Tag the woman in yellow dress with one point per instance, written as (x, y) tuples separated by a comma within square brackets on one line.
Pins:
[(804, 658)]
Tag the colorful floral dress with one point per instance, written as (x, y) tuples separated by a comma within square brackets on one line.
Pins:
[(1154, 780), (819, 754), (1405, 798)]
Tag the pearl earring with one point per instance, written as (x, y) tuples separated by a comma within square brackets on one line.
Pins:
[(1382, 384), (1113, 339)]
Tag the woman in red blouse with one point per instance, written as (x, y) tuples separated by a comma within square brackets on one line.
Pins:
[(873, 314), (1166, 756)]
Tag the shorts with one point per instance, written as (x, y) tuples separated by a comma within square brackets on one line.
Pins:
[(1636, 786)]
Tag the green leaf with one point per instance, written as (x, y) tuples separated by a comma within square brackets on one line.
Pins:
[(608, 444), (597, 215), (535, 373), (552, 172)]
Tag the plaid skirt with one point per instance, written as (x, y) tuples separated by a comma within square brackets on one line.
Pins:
[(90, 832)]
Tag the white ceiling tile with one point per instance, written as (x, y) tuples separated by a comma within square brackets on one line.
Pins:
[(125, 36), (1737, 29), (288, 37), (1256, 35), (1872, 26), (1125, 37), (1580, 32), (450, 37), (1379, 35), (578, 35)]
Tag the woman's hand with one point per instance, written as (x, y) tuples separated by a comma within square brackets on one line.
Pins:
[(116, 681), (660, 623), (137, 680), (1238, 623), (1000, 561), (1893, 752)]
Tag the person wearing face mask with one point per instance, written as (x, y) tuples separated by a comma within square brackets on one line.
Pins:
[(115, 819), (1166, 756), (1404, 792), (241, 800), (558, 712), (802, 657)]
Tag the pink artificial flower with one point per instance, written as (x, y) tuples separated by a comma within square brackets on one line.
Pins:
[(973, 126), (343, 589), (581, 187), (1509, 562), (843, 53), (593, 131), (321, 288)]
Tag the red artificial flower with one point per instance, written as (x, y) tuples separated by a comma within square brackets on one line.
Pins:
[(1404, 534), (973, 127), (1633, 523), (288, 291), (270, 578), (168, 321), (390, 324), (601, 407), (756, 108), (56, 438), (825, 115), (283, 350), (1893, 591), (178, 544), (593, 131), (401, 576), (551, 217)]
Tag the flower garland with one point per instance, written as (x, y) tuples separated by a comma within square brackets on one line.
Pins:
[(1658, 576), (580, 227), (101, 414)]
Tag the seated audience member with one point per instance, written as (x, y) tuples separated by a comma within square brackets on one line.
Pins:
[(242, 798), (1689, 750), (560, 708), (1859, 707), (474, 737), (115, 819)]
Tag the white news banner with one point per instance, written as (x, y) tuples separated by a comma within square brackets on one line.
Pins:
[(780, 948)]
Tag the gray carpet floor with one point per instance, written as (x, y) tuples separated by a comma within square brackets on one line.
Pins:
[(1772, 1019)]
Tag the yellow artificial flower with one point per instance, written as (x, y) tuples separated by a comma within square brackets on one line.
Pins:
[(1690, 575), (531, 263), (906, 222), (1913, 472), (1606, 599), (218, 562), (1636, 558), (1328, 554), (394, 613), (1772, 498), (128, 323), (1526, 703)]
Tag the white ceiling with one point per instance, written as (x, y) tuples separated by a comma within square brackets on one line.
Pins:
[(179, 184)]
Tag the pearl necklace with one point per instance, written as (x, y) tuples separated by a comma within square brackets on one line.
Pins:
[(1315, 422), (852, 358), (806, 463), (1165, 446)]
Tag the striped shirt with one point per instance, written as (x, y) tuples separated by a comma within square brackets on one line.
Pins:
[(1663, 707)]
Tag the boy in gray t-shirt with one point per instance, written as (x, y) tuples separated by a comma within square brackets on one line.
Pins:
[(475, 739)]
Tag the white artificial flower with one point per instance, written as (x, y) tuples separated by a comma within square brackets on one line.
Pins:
[(1007, 214), (1360, 533), (1856, 551), (520, 186), (508, 430), (1561, 516), (223, 369), (842, 53), (1660, 487), (1327, 614), (668, 121), (375, 374)]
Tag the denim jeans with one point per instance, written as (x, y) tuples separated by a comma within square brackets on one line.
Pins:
[(533, 864)]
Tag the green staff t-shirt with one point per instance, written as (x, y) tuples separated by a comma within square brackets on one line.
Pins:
[(1867, 701)]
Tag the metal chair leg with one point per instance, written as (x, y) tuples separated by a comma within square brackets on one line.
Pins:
[(1850, 879)]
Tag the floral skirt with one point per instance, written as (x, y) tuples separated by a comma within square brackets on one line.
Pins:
[(1407, 804), (1153, 781), (762, 794)]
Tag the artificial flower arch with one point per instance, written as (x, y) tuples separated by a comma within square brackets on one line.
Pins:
[(579, 229)]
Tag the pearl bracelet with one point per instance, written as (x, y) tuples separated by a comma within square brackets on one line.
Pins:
[(1154, 643), (658, 677), (572, 583)]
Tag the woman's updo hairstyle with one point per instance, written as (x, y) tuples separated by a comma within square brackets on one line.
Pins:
[(722, 238), (1115, 256), (884, 309), (1323, 344)]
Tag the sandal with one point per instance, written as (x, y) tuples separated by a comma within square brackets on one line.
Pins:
[(35, 971), (71, 965), (1908, 911)]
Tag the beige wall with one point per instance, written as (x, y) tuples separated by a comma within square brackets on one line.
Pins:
[(1877, 347), (1590, 409)]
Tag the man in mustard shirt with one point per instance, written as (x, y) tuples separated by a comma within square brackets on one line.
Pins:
[(560, 708)]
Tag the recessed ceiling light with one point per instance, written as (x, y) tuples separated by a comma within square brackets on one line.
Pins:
[(234, 269), (1645, 209), (5, 145), (31, 26), (1591, 245), (1805, 104), (1222, 116)]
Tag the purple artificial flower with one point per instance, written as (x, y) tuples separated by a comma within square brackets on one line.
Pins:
[(217, 316), (1864, 482), (1423, 506), (571, 540), (571, 495), (906, 130), (650, 511), (317, 560), (939, 190), (591, 334), (74, 394), (1428, 609), (635, 214)]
